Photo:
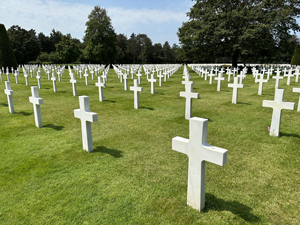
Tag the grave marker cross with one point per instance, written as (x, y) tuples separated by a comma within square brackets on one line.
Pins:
[(100, 85), (188, 94), (278, 104), (9, 94), (36, 101), (136, 90), (86, 117), (235, 87), (198, 151)]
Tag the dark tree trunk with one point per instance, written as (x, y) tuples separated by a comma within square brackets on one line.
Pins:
[(235, 57)]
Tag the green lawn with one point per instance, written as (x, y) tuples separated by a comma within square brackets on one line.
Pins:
[(133, 176)]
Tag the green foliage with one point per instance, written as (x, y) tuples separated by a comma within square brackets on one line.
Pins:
[(25, 44), (237, 29), (54, 57), (67, 50), (168, 54), (296, 56), (7, 57), (100, 37), (43, 58)]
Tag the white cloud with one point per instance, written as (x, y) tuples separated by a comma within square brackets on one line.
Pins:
[(44, 15)]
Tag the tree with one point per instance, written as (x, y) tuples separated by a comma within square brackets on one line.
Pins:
[(158, 53), (67, 50), (121, 45), (100, 37), (26, 47), (296, 56), (133, 47), (7, 56), (168, 57), (236, 29)]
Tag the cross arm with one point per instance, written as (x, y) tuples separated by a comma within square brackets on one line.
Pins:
[(215, 155), (179, 144)]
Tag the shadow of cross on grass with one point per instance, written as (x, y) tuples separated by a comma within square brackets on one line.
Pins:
[(58, 128), (113, 152), (216, 204)]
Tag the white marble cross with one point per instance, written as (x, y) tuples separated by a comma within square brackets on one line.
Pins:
[(1, 78), (53, 78), (277, 77), (26, 78), (125, 77), (139, 77), (100, 85), (289, 75), (74, 82), (152, 80), (160, 76), (7, 74), (86, 75), (86, 117), (235, 87), (16, 76), (136, 90), (36, 101), (198, 151), (261, 81), (9, 94), (278, 104), (219, 79), (38, 77), (297, 90), (211, 75), (229, 73), (58, 75), (188, 94), (296, 74)]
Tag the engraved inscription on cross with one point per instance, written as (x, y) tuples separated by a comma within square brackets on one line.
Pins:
[(198, 151)]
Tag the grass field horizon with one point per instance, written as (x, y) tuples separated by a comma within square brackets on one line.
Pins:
[(133, 176)]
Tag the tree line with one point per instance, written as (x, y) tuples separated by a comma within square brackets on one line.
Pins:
[(218, 31)]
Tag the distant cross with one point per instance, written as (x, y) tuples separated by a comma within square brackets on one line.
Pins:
[(131, 71), (36, 101), (147, 74), (100, 85), (160, 76), (211, 74), (80, 73), (125, 77), (234, 71), (235, 87), (16, 76), (297, 90), (92, 73), (9, 94), (278, 104), (152, 80), (165, 75), (198, 151), (139, 77), (26, 78), (38, 77), (48, 74), (1, 78), (289, 75), (241, 76), (229, 73), (270, 72), (86, 117), (297, 74), (261, 81), (86, 75), (7, 74), (74, 82), (277, 77), (188, 94), (136, 90), (219, 79), (53, 78), (58, 75)]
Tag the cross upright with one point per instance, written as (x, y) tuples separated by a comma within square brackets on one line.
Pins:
[(36, 101), (92, 73), (9, 94), (160, 76), (199, 152), (1, 78), (53, 78), (147, 74), (297, 90), (86, 117), (74, 82), (289, 75), (278, 104), (211, 74), (100, 85), (270, 72), (235, 87), (229, 73), (261, 81), (165, 75), (58, 75), (136, 89), (125, 77), (296, 74), (16, 76), (139, 77), (86, 75), (219, 79), (26, 78), (234, 71), (7, 74), (277, 77), (38, 77), (188, 94), (152, 80)]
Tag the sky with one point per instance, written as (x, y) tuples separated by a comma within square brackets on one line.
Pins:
[(159, 19)]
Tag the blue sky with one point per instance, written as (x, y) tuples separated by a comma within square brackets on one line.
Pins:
[(159, 19)]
